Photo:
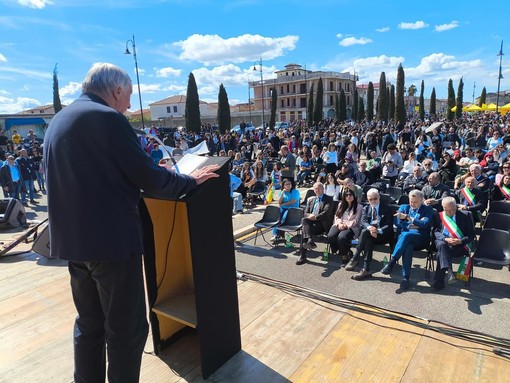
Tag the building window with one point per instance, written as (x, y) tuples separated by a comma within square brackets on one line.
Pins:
[(294, 102), (282, 103), (281, 90), (348, 87), (288, 88), (168, 109), (302, 88), (175, 109), (348, 100), (330, 100), (331, 85), (294, 88), (288, 102)]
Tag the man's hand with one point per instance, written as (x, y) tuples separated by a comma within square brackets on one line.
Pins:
[(453, 241), (311, 217), (430, 201), (373, 231), (203, 174), (461, 207)]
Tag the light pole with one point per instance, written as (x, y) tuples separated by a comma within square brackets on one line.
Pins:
[(500, 54), (127, 52), (249, 100), (259, 62)]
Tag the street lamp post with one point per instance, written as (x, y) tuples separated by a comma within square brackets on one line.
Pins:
[(249, 101), (259, 62), (127, 52), (500, 76)]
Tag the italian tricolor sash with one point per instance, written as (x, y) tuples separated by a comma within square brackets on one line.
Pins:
[(453, 229), (468, 195), (505, 190)]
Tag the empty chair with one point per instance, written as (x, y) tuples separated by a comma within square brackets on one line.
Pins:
[(493, 247), (258, 191), (292, 220), (497, 221), (385, 198), (309, 193), (499, 207), (270, 219), (404, 199), (394, 192)]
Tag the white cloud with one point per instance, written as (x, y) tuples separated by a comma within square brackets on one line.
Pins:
[(10, 105), (348, 41), (416, 25), (155, 88), (230, 75), (168, 71), (446, 27), (213, 49), (2, 58), (339, 35), (440, 64), (26, 72), (384, 29), (38, 4), (70, 89)]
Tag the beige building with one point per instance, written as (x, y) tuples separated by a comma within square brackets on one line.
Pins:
[(293, 86)]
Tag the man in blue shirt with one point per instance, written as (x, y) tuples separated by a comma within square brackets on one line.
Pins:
[(10, 178)]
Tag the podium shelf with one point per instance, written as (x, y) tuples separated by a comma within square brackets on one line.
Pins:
[(180, 308)]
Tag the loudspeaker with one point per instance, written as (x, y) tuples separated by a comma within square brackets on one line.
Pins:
[(12, 214), (41, 244)]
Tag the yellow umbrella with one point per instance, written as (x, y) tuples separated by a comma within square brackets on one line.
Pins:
[(473, 108), (491, 106), (505, 107), (454, 109)]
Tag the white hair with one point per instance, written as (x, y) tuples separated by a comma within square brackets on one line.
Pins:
[(416, 194), (373, 192), (103, 78), (448, 201)]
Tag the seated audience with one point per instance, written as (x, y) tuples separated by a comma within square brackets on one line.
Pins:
[(435, 191), (447, 168), (346, 225), (415, 180), (376, 229), (289, 197), (502, 191), (413, 223), (471, 198), (317, 219)]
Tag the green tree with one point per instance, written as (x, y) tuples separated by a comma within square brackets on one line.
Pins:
[(370, 101), (224, 120), (460, 96), (382, 99), (342, 106), (361, 109), (400, 108), (57, 105), (411, 91), (433, 103), (355, 101), (391, 113), (422, 101), (309, 110), (451, 101), (274, 104), (319, 102), (483, 97), (192, 108)]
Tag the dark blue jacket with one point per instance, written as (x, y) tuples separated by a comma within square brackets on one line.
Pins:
[(424, 220), (95, 171)]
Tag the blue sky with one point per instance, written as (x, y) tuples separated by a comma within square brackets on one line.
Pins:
[(220, 40)]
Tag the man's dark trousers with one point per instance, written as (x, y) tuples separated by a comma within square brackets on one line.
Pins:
[(110, 300)]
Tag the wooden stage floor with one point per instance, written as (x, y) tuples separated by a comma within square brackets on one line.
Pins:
[(287, 336)]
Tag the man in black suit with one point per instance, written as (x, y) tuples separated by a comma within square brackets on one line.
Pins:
[(95, 170), (454, 233), (318, 217), (377, 229), (471, 199)]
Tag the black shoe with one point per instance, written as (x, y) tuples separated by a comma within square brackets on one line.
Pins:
[(404, 284), (33, 201), (352, 264), (310, 245), (438, 285), (302, 260), (387, 269)]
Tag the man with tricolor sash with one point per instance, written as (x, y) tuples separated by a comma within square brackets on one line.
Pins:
[(454, 234), (471, 199)]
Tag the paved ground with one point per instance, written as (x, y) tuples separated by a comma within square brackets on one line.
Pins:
[(484, 306)]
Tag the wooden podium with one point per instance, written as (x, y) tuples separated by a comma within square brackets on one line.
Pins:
[(190, 269)]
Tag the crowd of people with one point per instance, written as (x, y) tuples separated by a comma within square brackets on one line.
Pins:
[(22, 166), (443, 170)]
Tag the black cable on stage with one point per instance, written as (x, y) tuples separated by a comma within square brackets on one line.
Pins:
[(499, 345), (168, 246)]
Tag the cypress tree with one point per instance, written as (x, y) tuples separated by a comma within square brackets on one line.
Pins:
[(354, 115), (224, 119), (192, 108), (319, 102), (361, 109), (400, 108), (382, 99), (274, 102), (342, 106), (451, 101), (422, 101), (370, 102), (391, 114), (57, 105), (309, 110), (460, 96), (433, 103), (483, 97)]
